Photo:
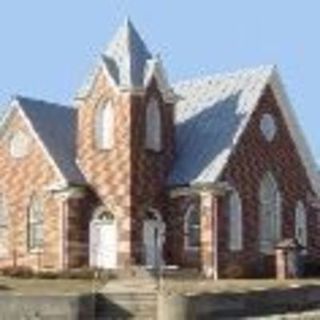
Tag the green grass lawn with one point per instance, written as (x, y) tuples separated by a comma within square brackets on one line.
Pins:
[(233, 286), (47, 286), (10, 285)]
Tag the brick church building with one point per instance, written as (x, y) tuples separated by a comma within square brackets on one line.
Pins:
[(210, 173)]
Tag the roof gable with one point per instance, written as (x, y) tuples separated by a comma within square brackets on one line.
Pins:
[(211, 116), (54, 125), (295, 131)]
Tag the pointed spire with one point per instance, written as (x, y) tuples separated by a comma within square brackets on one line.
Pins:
[(128, 23), (126, 56)]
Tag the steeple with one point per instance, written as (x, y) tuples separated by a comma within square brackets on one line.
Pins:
[(126, 57)]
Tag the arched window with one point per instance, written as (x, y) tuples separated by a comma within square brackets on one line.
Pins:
[(270, 213), (235, 221), (35, 223), (104, 126), (4, 241), (301, 231), (192, 228), (153, 126)]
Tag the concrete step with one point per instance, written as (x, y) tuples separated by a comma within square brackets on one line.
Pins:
[(130, 286), (126, 305)]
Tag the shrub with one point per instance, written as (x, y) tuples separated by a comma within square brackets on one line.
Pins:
[(18, 272), (84, 273), (47, 275), (234, 271), (311, 268)]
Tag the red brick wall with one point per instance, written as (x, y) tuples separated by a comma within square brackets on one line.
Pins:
[(127, 178), (79, 213), (20, 178), (175, 251), (253, 157), (251, 160), (108, 171), (149, 169)]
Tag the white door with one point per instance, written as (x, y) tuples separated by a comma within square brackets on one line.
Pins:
[(150, 243), (153, 236), (103, 243)]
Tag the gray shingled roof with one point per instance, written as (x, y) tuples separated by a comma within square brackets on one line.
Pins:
[(56, 127), (210, 116), (126, 57)]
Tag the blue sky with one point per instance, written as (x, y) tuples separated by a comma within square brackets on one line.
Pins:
[(48, 47)]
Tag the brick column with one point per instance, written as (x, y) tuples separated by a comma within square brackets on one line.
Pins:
[(208, 211), (124, 241), (69, 202)]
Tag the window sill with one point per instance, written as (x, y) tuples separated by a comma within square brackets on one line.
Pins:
[(235, 250), (192, 249), (106, 149), (36, 251), (153, 151)]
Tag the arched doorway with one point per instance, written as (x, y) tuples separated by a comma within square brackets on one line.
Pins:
[(103, 240), (153, 239)]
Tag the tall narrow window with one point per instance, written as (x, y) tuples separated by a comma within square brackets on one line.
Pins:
[(35, 224), (270, 213), (104, 126), (235, 221), (301, 232), (153, 126), (192, 228), (4, 241)]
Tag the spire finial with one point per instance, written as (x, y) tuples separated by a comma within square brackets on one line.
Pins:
[(127, 20)]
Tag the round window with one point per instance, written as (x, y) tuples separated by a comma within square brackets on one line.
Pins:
[(268, 126), (19, 144)]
